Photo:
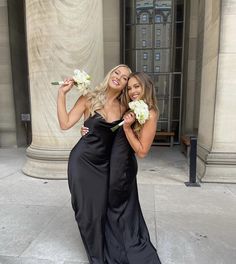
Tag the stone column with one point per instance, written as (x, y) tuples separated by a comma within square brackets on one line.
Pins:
[(217, 126), (61, 36)]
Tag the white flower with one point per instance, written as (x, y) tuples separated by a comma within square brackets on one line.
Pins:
[(140, 108), (82, 81)]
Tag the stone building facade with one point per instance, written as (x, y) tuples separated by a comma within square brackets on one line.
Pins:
[(42, 41)]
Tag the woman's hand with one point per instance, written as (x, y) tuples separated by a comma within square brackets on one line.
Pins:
[(129, 119), (84, 130), (66, 86)]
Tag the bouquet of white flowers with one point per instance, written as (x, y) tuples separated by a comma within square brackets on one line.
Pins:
[(140, 108), (82, 81)]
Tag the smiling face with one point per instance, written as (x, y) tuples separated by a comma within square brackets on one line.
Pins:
[(135, 89), (119, 78)]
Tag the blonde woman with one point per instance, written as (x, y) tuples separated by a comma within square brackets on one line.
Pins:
[(88, 167), (127, 236)]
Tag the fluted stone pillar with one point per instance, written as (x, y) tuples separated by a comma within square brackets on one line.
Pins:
[(217, 126), (61, 36)]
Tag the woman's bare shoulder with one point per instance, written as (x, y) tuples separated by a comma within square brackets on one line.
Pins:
[(83, 100), (153, 114)]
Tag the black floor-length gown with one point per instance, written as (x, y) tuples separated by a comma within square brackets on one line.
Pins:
[(126, 233), (88, 177)]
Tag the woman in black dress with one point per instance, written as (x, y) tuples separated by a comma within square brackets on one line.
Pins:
[(126, 233), (88, 167)]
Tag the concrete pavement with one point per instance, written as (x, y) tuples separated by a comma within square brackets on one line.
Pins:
[(189, 225)]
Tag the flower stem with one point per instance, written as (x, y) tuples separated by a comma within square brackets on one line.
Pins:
[(113, 129), (57, 83)]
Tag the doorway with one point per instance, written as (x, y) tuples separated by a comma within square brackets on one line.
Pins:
[(152, 42)]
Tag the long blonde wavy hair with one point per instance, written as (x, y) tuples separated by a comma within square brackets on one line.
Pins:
[(97, 97), (149, 96)]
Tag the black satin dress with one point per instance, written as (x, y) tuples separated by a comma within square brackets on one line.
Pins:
[(126, 233), (88, 177)]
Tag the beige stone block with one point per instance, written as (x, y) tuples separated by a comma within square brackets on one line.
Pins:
[(7, 138), (212, 12), (4, 39), (208, 12), (111, 20), (111, 9), (207, 104), (193, 28), (194, 9), (111, 55), (192, 50), (5, 74), (216, 173), (7, 116), (7, 111), (7, 123), (111, 30), (228, 36), (6, 92), (189, 116), (216, 9), (225, 119), (43, 168), (3, 3), (5, 55), (3, 15), (228, 7), (191, 70), (227, 72), (211, 42)]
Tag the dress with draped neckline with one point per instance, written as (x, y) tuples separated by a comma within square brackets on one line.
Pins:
[(88, 179)]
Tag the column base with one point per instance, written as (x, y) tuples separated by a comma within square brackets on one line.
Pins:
[(46, 164), (216, 167)]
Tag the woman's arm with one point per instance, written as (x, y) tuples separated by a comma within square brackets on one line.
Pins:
[(67, 120), (142, 144)]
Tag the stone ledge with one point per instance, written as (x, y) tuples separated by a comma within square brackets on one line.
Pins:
[(216, 166), (46, 163), (216, 158), (38, 153)]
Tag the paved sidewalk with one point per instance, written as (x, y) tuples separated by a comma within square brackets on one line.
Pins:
[(189, 225)]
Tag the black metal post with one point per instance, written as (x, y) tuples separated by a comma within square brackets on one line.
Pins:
[(193, 163)]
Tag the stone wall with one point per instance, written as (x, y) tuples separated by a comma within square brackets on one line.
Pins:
[(192, 67), (111, 31), (7, 111)]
